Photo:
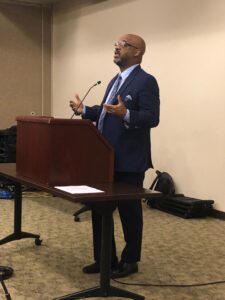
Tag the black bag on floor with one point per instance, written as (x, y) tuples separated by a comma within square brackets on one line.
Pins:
[(162, 183), (184, 207), (7, 155), (176, 204), (8, 145)]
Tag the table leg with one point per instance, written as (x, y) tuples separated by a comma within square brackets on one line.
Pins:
[(18, 234), (104, 290)]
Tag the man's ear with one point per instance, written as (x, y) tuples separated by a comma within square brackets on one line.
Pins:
[(137, 53)]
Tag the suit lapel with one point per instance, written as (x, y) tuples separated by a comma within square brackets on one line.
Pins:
[(129, 80), (124, 85)]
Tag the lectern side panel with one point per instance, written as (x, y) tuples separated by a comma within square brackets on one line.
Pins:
[(32, 160), (80, 156)]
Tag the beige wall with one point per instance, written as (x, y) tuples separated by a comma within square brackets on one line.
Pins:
[(25, 62), (185, 51)]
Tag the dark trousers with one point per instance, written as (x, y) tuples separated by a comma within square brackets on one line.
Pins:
[(131, 217)]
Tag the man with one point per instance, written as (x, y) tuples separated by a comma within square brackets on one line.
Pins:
[(130, 108)]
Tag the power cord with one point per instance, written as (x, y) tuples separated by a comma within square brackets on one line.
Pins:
[(170, 285), (5, 273)]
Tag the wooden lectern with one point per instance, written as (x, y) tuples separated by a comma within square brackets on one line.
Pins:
[(55, 152)]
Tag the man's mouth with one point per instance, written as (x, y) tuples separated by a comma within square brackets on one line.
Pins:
[(116, 54)]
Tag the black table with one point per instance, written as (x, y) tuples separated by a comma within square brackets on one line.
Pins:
[(104, 203)]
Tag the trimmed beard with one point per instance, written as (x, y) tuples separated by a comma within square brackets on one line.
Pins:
[(118, 62)]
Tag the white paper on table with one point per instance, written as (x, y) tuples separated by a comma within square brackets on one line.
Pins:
[(78, 189)]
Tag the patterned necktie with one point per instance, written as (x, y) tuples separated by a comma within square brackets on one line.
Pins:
[(111, 98)]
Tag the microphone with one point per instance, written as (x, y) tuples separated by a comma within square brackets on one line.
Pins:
[(75, 112)]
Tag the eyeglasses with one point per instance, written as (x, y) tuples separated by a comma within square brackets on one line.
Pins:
[(124, 44)]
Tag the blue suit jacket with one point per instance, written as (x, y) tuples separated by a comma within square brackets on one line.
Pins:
[(131, 141)]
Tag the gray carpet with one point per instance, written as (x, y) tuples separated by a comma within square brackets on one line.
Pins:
[(175, 251)]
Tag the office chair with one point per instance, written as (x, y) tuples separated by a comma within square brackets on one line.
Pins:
[(80, 211)]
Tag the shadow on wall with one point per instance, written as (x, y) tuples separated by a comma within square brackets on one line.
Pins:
[(15, 16), (163, 18)]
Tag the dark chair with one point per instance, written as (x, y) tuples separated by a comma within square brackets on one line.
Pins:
[(80, 211)]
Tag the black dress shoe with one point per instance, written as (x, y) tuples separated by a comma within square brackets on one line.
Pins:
[(92, 268), (125, 270), (95, 268)]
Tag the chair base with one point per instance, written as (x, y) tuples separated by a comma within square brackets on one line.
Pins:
[(80, 211)]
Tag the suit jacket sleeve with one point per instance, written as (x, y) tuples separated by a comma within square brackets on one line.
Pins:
[(92, 113)]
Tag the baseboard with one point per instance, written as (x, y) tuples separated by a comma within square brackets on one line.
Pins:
[(218, 214)]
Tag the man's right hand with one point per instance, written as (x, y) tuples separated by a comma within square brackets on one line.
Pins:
[(76, 105)]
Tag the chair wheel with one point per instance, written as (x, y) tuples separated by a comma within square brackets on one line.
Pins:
[(38, 242), (5, 272), (76, 219)]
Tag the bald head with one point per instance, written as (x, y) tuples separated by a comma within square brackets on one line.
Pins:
[(136, 41)]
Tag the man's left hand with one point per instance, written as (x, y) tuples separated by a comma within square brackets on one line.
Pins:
[(116, 109)]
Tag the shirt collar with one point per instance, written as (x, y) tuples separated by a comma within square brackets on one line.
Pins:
[(127, 72)]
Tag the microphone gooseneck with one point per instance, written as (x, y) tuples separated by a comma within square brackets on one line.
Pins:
[(75, 112)]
